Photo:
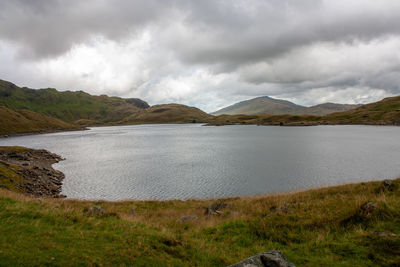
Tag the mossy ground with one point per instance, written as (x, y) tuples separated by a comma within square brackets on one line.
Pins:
[(321, 227), (9, 177)]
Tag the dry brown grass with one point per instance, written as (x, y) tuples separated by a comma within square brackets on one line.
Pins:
[(313, 227)]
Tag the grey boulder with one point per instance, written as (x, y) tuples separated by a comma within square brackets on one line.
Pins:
[(273, 258)]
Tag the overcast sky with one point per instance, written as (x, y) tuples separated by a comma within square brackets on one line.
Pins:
[(205, 53)]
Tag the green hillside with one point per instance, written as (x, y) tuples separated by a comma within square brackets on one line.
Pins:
[(168, 113), (68, 106), (84, 109), (386, 111)]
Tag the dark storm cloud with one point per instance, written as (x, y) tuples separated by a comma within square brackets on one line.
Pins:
[(51, 27), (217, 32), (171, 50)]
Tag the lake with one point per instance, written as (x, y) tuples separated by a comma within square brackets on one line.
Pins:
[(173, 161)]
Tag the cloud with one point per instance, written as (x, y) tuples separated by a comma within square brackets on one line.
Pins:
[(205, 53)]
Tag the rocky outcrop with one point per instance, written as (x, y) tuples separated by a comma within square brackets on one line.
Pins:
[(215, 208), (273, 258), (95, 211), (30, 171), (368, 208)]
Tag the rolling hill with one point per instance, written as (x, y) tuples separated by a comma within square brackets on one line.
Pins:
[(325, 109), (14, 122), (386, 111), (83, 109), (68, 106), (268, 105), (168, 113)]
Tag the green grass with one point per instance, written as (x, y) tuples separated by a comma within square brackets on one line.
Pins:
[(321, 227), (9, 178), (67, 106)]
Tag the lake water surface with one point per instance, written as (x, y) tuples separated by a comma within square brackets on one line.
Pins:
[(193, 161)]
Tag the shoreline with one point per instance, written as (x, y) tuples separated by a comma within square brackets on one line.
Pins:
[(16, 134), (227, 198), (87, 128), (301, 124)]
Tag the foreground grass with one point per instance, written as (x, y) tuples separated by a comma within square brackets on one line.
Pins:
[(322, 227)]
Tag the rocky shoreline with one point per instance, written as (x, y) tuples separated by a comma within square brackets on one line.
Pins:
[(30, 171)]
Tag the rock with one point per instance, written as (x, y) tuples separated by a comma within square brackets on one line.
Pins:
[(38, 178), (273, 258), (215, 208), (95, 211), (273, 210), (368, 208), (286, 208), (188, 218), (388, 185), (132, 211)]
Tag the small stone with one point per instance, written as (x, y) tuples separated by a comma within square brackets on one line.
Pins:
[(388, 185), (368, 208), (188, 218), (95, 211), (132, 211), (215, 208), (384, 234)]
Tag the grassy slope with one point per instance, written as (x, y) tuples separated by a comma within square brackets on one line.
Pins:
[(169, 113), (12, 122), (67, 106), (87, 110), (386, 111), (321, 227)]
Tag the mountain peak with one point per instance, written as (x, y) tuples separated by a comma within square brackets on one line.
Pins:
[(269, 105)]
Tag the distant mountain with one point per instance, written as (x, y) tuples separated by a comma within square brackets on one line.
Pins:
[(13, 122), (260, 105), (83, 109), (269, 105), (325, 109), (384, 112)]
